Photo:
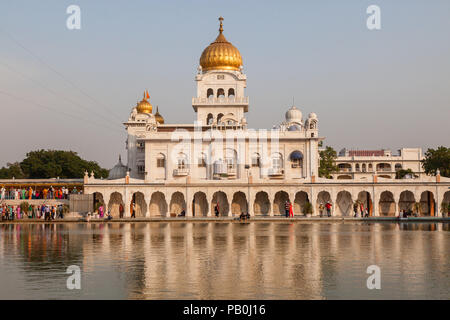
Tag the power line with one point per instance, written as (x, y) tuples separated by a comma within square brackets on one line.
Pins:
[(58, 73), (50, 90), (57, 111)]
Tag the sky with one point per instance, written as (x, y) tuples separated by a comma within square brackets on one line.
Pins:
[(371, 89)]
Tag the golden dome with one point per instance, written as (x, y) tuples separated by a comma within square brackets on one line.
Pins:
[(159, 117), (144, 106), (221, 54)]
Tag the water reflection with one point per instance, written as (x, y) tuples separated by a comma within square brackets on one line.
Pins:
[(225, 260)]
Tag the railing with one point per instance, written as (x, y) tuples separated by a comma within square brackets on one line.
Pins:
[(181, 172), (222, 100), (276, 172)]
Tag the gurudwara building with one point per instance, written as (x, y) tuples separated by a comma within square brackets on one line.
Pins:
[(219, 161)]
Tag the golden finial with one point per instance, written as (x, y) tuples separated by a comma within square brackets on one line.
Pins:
[(221, 25)]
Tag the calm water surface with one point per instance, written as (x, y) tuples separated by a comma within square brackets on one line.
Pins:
[(225, 260)]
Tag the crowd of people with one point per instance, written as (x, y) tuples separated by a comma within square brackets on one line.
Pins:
[(29, 193), (9, 212)]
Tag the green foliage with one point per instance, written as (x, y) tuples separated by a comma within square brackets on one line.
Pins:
[(51, 164), (24, 206), (308, 208), (327, 162), (12, 170), (437, 159), (445, 208), (400, 174)]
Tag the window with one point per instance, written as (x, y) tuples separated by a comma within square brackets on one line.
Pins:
[(231, 92), (160, 162), (202, 161), (220, 77), (182, 161), (209, 93), (256, 160), (219, 117), (296, 159), (277, 161), (220, 93), (140, 145), (141, 168)]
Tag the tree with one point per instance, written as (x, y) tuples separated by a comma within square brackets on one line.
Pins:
[(51, 164), (327, 162), (402, 173), (12, 170), (437, 159)]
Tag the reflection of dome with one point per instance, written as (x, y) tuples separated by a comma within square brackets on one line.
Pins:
[(158, 117), (220, 54), (119, 171), (293, 115), (144, 106), (312, 115)]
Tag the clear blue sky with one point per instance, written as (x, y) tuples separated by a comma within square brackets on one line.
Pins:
[(371, 89)]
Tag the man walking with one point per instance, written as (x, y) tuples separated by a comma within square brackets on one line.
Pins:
[(328, 206)]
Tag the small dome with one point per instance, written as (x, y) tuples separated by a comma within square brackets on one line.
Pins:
[(159, 118), (293, 115), (144, 106), (221, 54), (312, 115), (119, 171), (295, 127)]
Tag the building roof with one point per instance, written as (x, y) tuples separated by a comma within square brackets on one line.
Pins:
[(366, 153)]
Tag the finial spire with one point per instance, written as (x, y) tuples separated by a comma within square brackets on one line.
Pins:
[(221, 24)]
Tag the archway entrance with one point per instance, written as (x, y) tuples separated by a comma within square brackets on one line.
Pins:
[(322, 198), (344, 203), (406, 201), (199, 204), (239, 203), (220, 198), (140, 204), (158, 205), (177, 204), (261, 205), (365, 199), (279, 202), (301, 198), (427, 204), (387, 204), (115, 202)]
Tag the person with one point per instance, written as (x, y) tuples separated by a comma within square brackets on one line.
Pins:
[(242, 216), (291, 210), (366, 212), (355, 210), (321, 207), (120, 211), (286, 208), (109, 216), (216, 209), (182, 213), (133, 210), (328, 206), (100, 211)]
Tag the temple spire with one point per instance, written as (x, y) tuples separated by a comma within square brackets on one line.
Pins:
[(221, 25)]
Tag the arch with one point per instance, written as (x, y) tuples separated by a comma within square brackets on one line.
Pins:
[(114, 204), (141, 206), (279, 202), (256, 160), (158, 205), (220, 93), (370, 166), (344, 167), (261, 205), (239, 203), (301, 198), (365, 200), (445, 204), (427, 204), (344, 177), (387, 204), (398, 167), (363, 168), (177, 203), (231, 158), (199, 204), (209, 93), (231, 93), (296, 158), (219, 117), (357, 167), (277, 160), (220, 198), (383, 167), (209, 119), (98, 199), (406, 201), (344, 203), (182, 162), (322, 198)]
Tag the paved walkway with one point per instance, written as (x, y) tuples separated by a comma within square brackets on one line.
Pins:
[(233, 219)]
